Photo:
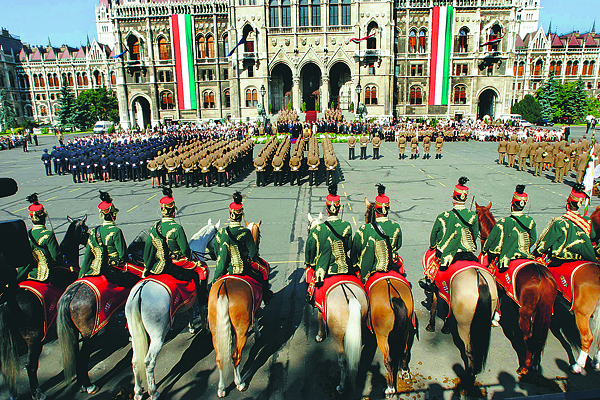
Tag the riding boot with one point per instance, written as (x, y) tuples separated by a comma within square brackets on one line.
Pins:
[(427, 285), (267, 293)]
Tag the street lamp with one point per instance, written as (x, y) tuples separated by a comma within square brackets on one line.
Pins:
[(358, 90), (263, 91)]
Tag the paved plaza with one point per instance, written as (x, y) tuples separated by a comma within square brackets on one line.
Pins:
[(286, 363)]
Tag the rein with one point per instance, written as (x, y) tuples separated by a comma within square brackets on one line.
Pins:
[(389, 283)]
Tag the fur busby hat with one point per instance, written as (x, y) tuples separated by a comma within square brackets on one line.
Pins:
[(332, 201), (520, 197), (236, 208), (382, 201), (167, 203), (37, 213), (461, 191)]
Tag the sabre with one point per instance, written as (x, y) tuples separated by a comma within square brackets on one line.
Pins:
[(472, 200), (343, 205)]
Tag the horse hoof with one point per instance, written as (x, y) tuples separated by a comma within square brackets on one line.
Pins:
[(155, 396), (405, 375), (191, 330), (241, 387), (89, 389), (522, 371), (318, 338), (138, 396), (221, 393), (390, 391), (430, 328), (596, 364), (339, 389), (445, 330), (576, 368)]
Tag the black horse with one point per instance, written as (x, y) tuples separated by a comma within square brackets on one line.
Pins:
[(22, 314)]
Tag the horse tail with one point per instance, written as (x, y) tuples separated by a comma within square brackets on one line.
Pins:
[(9, 352), (398, 338), (352, 337), (481, 325), (543, 312), (67, 332), (224, 337), (139, 338)]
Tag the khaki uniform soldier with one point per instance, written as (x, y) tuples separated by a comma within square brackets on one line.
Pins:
[(171, 166), (414, 148), (401, 147), (188, 169), (502, 151), (364, 141), (376, 143), (523, 154), (259, 165), (511, 149), (532, 148), (205, 170), (582, 162), (351, 145), (313, 167), (295, 164), (331, 164), (560, 163), (277, 165), (439, 143), (426, 147), (539, 160), (548, 157), (221, 165)]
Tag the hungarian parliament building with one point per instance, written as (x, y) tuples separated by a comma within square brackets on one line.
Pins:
[(200, 60)]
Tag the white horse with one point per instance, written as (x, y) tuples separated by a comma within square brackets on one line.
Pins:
[(147, 312), (346, 306)]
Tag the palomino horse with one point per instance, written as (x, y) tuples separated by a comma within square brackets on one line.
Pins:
[(230, 304), (148, 316), (392, 307), (535, 291), (347, 307), (23, 312)]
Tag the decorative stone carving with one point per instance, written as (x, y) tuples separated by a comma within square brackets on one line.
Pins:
[(317, 41), (303, 41), (274, 41), (333, 41), (287, 42)]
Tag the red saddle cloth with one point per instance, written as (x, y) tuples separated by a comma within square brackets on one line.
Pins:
[(563, 275), (507, 279), (134, 269), (330, 283), (255, 288), (109, 298), (48, 295), (443, 279), (380, 276)]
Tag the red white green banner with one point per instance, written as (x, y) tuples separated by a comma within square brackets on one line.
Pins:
[(441, 50), (183, 46)]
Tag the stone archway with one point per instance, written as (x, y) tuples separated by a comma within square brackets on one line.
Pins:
[(281, 87), (487, 103), (141, 112), (340, 86), (310, 83)]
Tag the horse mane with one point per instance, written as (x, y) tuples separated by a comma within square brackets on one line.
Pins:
[(370, 214), (486, 221), (255, 231)]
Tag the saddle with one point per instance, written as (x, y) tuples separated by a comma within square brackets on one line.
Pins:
[(563, 275), (330, 283), (380, 276), (507, 279), (255, 289), (48, 295)]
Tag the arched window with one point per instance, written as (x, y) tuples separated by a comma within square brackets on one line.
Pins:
[(134, 48), (166, 101), (164, 52), (574, 69), (370, 95), (225, 44), (36, 81), (56, 82), (569, 67), (412, 41), (303, 13), (316, 12), (416, 95), (371, 29), (552, 66), (346, 19), (422, 41), (251, 98), (64, 79), (494, 33), (537, 69), (515, 69), (249, 43), (43, 111), (227, 98), (209, 99), (79, 80), (463, 40), (584, 69), (11, 79), (210, 46), (286, 14), (558, 69), (521, 68), (70, 78), (334, 13), (86, 82), (460, 94), (591, 67), (50, 81), (113, 78), (274, 13), (201, 46), (42, 81)]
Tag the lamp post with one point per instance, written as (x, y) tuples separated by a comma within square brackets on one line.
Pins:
[(358, 91), (263, 91)]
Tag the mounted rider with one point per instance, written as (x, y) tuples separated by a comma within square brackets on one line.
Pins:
[(167, 250), (237, 252), (512, 237), (568, 237), (375, 245), (328, 245), (45, 249), (453, 234)]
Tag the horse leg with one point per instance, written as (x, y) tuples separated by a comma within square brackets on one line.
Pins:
[(83, 359), (582, 320), (33, 357), (137, 377), (431, 326), (343, 366), (256, 327), (156, 344), (241, 328), (525, 323), (392, 370), (191, 327), (320, 335)]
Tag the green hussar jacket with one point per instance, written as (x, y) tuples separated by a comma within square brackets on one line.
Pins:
[(46, 254), (370, 251), (329, 253), (106, 245), (171, 235), (450, 235), (236, 248), (511, 238), (564, 239)]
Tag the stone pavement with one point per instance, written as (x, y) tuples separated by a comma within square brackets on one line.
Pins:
[(286, 362)]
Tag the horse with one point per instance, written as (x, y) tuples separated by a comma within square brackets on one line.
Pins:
[(536, 291), (148, 316), (391, 313), (347, 304), (22, 314), (230, 305)]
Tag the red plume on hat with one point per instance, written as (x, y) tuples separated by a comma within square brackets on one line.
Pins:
[(520, 197), (167, 203), (36, 210), (106, 206), (332, 201), (577, 195), (236, 207), (382, 201), (461, 191)]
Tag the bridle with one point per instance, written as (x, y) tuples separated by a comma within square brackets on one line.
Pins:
[(203, 254)]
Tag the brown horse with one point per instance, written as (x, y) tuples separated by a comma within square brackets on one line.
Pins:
[(230, 304), (392, 308), (536, 292)]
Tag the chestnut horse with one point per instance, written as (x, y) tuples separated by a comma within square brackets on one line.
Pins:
[(392, 307), (536, 292), (230, 305)]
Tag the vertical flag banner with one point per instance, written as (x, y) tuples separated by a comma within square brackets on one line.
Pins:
[(588, 179), (441, 50), (183, 46)]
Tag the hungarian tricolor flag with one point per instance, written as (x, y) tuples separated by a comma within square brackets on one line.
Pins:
[(588, 179), (441, 49), (183, 46)]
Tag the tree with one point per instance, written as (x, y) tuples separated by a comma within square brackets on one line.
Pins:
[(7, 112), (101, 103), (579, 100), (66, 104), (547, 98), (529, 109)]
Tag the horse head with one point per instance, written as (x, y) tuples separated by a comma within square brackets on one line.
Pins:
[(254, 228), (370, 213), (486, 220), (203, 241), (314, 221), (77, 235)]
